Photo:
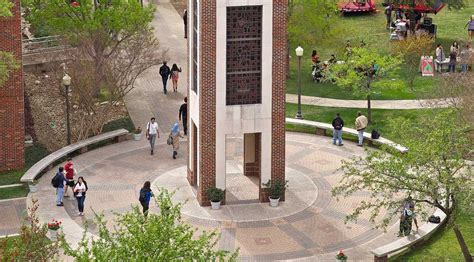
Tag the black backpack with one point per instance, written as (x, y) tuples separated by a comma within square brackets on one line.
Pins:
[(142, 195), (55, 181), (375, 134), (338, 124), (434, 219)]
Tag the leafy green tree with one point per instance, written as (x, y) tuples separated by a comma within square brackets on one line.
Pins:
[(7, 60), (411, 49), (32, 244), (5, 7), (157, 237), (100, 29), (434, 172), (365, 72)]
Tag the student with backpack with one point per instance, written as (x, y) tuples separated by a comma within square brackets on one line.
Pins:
[(145, 196), (165, 72), (58, 182), (337, 124)]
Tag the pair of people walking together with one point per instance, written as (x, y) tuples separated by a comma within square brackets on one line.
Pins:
[(173, 74), (152, 133)]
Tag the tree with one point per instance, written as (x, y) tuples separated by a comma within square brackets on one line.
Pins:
[(8, 62), (99, 29), (5, 6), (434, 172), (32, 244), (411, 50), (365, 72), (157, 237), (114, 45)]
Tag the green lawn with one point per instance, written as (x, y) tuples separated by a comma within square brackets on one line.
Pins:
[(14, 192), (371, 29), (326, 114), (33, 154), (443, 246)]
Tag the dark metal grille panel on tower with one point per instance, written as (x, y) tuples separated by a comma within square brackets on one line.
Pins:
[(244, 55), (194, 47)]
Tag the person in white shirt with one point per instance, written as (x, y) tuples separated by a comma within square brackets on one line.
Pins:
[(361, 123), (80, 192), (152, 132)]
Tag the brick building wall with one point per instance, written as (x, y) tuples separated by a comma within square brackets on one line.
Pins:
[(207, 102), (11, 96), (280, 20)]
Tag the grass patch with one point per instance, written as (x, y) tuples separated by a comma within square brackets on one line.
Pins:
[(33, 154), (14, 192), (371, 29), (380, 117), (443, 245)]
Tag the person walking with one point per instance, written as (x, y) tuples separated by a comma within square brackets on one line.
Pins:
[(69, 170), (173, 139), (165, 74), (59, 181), (183, 114), (470, 28), (337, 124), (80, 190), (185, 21), (175, 76), (151, 133), (361, 123), (145, 196)]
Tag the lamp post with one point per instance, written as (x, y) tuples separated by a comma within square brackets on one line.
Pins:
[(299, 53), (66, 84)]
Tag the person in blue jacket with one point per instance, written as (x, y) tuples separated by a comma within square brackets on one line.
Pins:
[(145, 197)]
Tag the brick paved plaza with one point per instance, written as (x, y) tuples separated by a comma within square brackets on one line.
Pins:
[(308, 225)]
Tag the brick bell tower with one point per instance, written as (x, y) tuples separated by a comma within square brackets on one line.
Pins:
[(12, 132), (237, 57)]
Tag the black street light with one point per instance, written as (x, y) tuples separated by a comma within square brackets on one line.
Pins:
[(66, 84), (299, 53)]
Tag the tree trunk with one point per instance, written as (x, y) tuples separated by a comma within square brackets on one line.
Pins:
[(462, 243), (369, 110)]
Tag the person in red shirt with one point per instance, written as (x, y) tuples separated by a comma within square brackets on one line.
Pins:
[(69, 170)]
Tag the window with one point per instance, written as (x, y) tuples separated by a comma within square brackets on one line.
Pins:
[(195, 47), (244, 55)]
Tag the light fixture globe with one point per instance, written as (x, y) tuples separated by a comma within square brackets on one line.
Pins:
[(66, 80), (299, 51)]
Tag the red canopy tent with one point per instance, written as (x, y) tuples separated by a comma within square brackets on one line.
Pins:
[(353, 6), (423, 7)]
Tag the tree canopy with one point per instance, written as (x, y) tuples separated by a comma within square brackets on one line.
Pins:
[(157, 237), (5, 6), (434, 172), (365, 71), (8, 62)]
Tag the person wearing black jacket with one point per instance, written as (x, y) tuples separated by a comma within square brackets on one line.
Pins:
[(165, 72), (183, 114), (337, 124)]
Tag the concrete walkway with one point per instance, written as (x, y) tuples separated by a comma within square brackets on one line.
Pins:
[(308, 226), (376, 104), (147, 98), (12, 215)]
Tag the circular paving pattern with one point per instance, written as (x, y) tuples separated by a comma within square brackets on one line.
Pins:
[(308, 226), (301, 194)]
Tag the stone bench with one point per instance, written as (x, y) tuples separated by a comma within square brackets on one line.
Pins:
[(322, 128), (425, 231), (47, 162)]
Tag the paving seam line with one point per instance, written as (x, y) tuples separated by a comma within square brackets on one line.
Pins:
[(11, 185), (12, 199)]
